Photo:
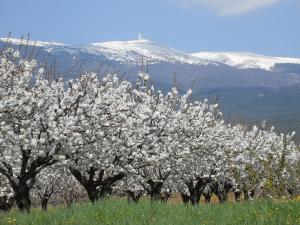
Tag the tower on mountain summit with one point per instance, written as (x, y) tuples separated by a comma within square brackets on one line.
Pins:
[(140, 37)]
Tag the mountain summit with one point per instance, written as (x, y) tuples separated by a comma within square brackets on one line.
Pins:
[(141, 49)]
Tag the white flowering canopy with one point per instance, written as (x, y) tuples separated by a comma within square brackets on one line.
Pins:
[(104, 130)]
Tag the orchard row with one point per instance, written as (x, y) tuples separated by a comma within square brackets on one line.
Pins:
[(112, 136)]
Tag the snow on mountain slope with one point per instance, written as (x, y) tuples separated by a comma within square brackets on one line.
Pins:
[(137, 50), (133, 52), (16, 41), (245, 60)]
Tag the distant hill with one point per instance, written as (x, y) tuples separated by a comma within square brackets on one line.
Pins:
[(280, 107)]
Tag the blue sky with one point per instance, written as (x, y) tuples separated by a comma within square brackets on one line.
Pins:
[(263, 26)]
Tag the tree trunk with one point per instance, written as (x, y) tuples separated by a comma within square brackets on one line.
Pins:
[(207, 199), (6, 203), (185, 198), (221, 193), (155, 196), (96, 192), (98, 188), (237, 195), (155, 190), (195, 191), (93, 193), (222, 197), (133, 196), (166, 196), (22, 198), (45, 203), (207, 193), (195, 197)]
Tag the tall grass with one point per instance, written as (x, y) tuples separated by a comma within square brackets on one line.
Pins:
[(117, 212)]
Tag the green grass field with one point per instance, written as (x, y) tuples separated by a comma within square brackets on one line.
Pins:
[(115, 212)]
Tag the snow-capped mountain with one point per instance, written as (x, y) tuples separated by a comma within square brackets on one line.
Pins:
[(128, 52), (203, 70), (245, 60), (16, 41), (133, 52), (141, 49)]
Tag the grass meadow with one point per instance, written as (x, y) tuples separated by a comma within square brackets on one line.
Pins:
[(119, 212)]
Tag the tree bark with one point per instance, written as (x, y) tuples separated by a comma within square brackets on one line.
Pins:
[(237, 195), (93, 193), (155, 190), (45, 204), (195, 190), (96, 188), (133, 196), (22, 197), (185, 198), (207, 193), (6, 203)]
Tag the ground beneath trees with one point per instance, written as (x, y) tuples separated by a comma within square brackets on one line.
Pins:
[(119, 212)]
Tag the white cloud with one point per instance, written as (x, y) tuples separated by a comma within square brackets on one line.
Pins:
[(230, 7)]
